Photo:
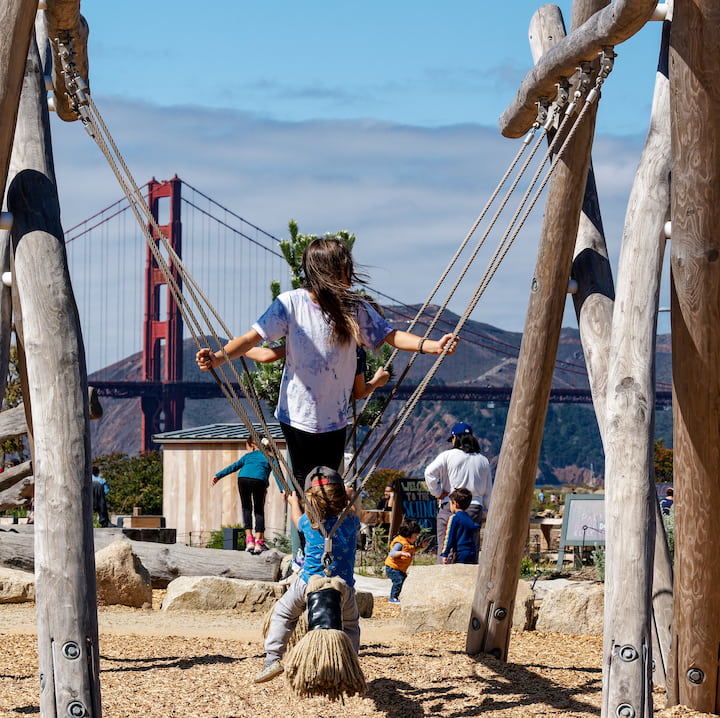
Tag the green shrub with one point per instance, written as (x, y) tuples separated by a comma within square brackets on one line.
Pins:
[(134, 481), (216, 538)]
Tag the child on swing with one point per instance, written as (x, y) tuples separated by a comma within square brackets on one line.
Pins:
[(326, 496), (323, 322)]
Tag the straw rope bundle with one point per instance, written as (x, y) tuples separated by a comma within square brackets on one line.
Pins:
[(323, 662)]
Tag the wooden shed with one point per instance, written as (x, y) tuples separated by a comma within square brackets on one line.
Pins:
[(191, 457)]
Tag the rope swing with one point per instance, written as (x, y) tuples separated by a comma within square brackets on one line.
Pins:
[(323, 661)]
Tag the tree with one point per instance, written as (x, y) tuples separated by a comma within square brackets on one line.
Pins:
[(377, 482), (134, 481), (663, 462), (14, 447)]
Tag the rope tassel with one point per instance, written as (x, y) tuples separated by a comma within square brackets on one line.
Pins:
[(323, 662)]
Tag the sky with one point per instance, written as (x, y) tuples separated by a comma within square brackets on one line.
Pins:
[(380, 118)]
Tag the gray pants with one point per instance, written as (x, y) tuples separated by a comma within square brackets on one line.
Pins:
[(288, 610)]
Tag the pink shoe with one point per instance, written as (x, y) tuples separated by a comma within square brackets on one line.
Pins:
[(250, 544), (260, 547)]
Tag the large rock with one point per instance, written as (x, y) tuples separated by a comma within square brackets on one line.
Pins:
[(576, 608), (212, 593), (16, 586), (121, 577), (439, 598)]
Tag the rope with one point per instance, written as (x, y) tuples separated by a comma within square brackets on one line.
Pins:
[(96, 128), (92, 120), (505, 244)]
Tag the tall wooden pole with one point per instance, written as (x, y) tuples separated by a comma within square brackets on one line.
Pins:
[(57, 391), (499, 569), (16, 22), (631, 505), (695, 321)]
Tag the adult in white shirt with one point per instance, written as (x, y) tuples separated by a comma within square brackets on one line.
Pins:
[(462, 467)]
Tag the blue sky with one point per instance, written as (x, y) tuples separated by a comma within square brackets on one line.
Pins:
[(379, 118)]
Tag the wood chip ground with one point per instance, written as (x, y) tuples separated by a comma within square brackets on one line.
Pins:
[(160, 664)]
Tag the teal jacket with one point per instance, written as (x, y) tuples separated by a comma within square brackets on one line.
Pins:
[(250, 466)]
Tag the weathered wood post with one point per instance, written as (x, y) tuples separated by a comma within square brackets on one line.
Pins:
[(499, 568), (695, 321), (631, 504), (57, 388)]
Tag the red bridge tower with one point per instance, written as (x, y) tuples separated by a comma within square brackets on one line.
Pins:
[(162, 335)]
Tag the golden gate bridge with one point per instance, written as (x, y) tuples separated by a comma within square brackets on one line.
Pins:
[(235, 262)]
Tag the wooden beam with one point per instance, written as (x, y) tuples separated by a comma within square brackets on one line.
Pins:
[(12, 423), (499, 569), (14, 474), (57, 390), (63, 16), (16, 20), (164, 562), (609, 27), (631, 502), (695, 322)]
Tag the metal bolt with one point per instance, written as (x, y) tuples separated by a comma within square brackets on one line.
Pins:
[(500, 613), (696, 676), (71, 650), (76, 710), (628, 653), (475, 623), (625, 710)]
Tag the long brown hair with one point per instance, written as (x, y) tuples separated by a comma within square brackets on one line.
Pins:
[(328, 267), (327, 500)]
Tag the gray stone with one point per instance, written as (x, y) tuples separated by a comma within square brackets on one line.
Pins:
[(576, 608), (121, 577), (439, 598), (212, 593), (16, 586)]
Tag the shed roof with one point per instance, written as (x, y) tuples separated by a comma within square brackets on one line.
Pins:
[(214, 433)]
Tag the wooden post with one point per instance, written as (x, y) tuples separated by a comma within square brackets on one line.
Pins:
[(16, 20), (607, 27), (631, 504), (57, 388), (499, 569), (63, 16), (695, 321)]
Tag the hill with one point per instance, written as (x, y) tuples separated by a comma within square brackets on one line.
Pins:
[(571, 450)]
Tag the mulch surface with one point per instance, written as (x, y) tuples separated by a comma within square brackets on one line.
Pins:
[(160, 664)]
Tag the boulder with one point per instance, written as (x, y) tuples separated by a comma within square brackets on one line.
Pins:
[(365, 603), (121, 577), (439, 598), (16, 586), (213, 593), (576, 608)]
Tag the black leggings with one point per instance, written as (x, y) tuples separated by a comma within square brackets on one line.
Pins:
[(308, 450), (252, 499)]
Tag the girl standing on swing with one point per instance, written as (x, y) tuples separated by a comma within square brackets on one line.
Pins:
[(323, 322)]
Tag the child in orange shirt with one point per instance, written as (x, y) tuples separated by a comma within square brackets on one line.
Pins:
[(400, 555)]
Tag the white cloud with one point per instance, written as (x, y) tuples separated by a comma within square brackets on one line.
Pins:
[(409, 194)]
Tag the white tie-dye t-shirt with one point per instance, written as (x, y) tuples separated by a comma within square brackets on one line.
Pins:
[(317, 381)]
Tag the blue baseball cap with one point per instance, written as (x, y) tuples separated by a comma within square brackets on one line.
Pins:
[(460, 428)]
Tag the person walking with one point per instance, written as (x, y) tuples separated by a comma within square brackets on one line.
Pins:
[(461, 467), (400, 556), (253, 471), (100, 489)]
